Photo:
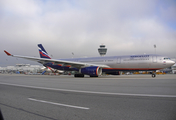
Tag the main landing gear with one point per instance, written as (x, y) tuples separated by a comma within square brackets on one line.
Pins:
[(79, 75), (82, 75), (93, 76)]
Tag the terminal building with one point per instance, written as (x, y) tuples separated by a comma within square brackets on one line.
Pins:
[(22, 68)]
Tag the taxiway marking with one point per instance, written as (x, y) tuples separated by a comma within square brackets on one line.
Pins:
[(72, 106), (91, 92)]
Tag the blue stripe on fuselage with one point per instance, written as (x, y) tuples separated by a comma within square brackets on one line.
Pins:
[(60, 67)]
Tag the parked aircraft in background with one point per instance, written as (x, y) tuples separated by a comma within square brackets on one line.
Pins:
[(96, 66)]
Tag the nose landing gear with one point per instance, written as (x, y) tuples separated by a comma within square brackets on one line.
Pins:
[(153, 75)]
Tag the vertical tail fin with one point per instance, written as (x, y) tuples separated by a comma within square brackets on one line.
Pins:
[(42, 52)]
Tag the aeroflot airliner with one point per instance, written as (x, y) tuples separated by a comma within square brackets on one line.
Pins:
[(96, 66)]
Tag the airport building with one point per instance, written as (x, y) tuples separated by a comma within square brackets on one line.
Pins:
[(22, 68)]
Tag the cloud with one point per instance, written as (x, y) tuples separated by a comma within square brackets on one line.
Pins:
[(20, 7), (63, 27)]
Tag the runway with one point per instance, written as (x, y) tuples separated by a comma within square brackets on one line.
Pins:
[(126, 97)]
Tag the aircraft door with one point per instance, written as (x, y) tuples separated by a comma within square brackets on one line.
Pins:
[(154, 59)]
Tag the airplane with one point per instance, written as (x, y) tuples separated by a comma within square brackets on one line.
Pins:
[(96, 66)]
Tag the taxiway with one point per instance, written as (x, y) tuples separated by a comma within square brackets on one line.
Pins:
[(126, 97)]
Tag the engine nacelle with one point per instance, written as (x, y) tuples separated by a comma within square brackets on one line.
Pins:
[(92, 70)]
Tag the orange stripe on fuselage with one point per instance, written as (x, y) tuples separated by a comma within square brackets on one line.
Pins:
[(64, 66), (132, 68), (68, 66)]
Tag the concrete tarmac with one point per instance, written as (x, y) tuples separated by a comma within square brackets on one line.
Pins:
[(125, 97)]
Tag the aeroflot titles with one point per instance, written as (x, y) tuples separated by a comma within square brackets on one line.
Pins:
[(139, 56)]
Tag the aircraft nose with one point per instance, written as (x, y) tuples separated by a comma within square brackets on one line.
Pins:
[(171, 62)]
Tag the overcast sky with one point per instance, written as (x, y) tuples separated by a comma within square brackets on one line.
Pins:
[(65, 26)]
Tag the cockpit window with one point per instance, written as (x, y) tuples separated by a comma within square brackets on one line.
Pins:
[(166, 58)]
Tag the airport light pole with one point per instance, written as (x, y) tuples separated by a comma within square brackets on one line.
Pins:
[(73, 55), (155, 48)]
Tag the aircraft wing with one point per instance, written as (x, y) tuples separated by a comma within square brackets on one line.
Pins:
[(56, 62)]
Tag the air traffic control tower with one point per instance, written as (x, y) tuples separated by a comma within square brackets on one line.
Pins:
[(102, 50)]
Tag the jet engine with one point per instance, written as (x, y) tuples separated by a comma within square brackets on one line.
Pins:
[(92, 71)]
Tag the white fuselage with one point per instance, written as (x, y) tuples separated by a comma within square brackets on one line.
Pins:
[(131, 62)]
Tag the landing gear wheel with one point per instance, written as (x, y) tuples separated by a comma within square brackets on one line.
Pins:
[(153, 75), (93, 76), (79, 75)]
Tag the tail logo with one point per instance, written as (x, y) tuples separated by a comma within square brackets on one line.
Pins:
[(42, 52)]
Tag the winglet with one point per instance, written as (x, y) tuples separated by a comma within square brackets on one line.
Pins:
[(7, 53)]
